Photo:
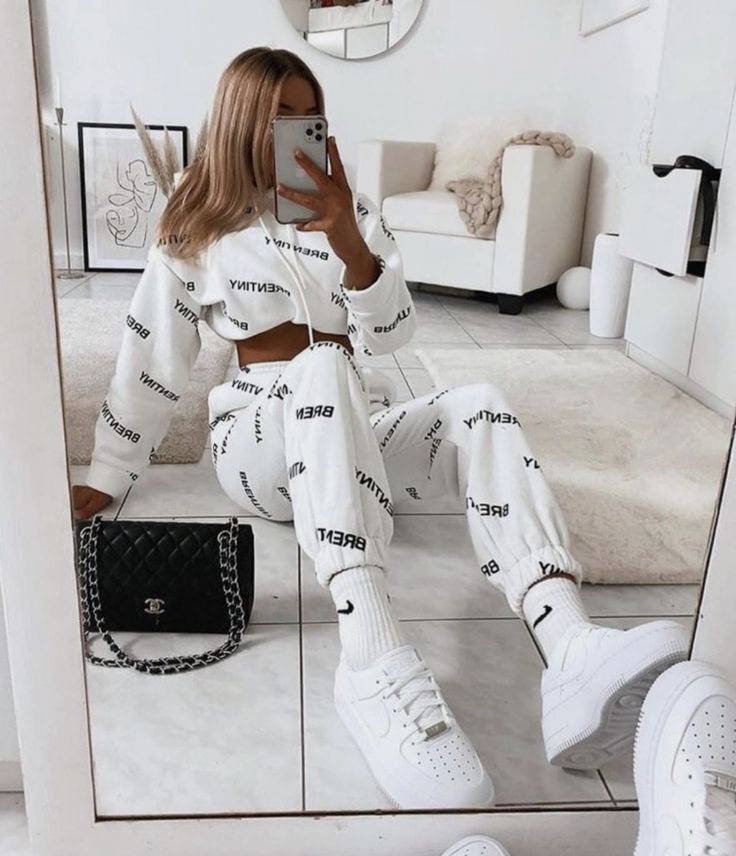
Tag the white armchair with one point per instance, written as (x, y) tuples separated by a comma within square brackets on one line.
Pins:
[(539, 231)]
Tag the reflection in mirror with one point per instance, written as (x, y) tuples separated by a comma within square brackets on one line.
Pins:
[(352, 29), (425, 477)]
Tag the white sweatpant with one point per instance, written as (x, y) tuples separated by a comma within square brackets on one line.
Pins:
[(305, 443)]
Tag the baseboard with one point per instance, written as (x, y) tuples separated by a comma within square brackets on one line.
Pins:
[(686, 384), (11, 779)]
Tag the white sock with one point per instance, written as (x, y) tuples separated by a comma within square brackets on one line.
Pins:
[(367, 628), (550, 608)]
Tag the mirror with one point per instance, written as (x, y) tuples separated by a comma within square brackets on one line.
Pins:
[(352, 29), (484, 437)]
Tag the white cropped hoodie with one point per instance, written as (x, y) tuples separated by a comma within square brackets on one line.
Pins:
[(245, 283)]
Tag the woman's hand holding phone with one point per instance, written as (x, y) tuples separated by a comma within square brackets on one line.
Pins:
[(332, 203)]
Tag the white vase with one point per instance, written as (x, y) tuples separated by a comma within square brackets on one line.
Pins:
[(610, 283)]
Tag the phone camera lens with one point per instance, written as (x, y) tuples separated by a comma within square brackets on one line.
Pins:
[(318, 136), (318, 126), (309, 132)]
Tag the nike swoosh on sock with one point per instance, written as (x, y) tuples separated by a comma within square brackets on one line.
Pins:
[(349, 609), (547, 611)]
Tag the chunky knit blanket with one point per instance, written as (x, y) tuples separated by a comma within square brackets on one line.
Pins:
[(480, 200)]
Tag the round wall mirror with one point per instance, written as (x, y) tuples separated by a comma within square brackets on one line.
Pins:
[(352, 29)]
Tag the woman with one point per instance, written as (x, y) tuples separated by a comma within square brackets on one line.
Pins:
[(303, 433)]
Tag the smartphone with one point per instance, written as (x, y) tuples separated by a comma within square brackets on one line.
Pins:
[(308, 133)]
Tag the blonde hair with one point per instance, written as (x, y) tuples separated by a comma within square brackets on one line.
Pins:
[(220, 191)]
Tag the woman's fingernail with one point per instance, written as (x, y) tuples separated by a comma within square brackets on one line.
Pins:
[(298, 152)]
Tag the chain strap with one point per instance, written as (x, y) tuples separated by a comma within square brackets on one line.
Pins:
[(92, 608)]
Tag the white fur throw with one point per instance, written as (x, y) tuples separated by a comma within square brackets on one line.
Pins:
[(466, 145), (480, 200)]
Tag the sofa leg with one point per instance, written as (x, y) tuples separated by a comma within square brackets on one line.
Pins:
[(510, 304)]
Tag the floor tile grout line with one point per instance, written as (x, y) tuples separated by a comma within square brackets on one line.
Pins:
[(86, 279), (648, 615), (67, 293), (301, 676), (124, 500), (566, 344), (532, 318), (462, 326), (524, 315), (468, 333), (509, 618), (226, 516), (534, 642), (608, 790), (273, 623), (539, 324), (406, 381), (437, 298), (510, 344), (547, 330)]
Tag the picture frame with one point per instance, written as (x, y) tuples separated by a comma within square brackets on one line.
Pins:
[(121, 200), (596, 15)]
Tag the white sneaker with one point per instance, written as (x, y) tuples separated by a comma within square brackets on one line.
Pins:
[(685, 764), (594, 687), (416, 750), (476, 845)]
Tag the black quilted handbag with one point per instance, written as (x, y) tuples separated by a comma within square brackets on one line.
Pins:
[(164, 576)]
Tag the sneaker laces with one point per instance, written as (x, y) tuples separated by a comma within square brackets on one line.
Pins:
[(419, 697), (719, 815)]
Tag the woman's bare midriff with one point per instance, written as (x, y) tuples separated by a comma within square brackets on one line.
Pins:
[(282, 343)]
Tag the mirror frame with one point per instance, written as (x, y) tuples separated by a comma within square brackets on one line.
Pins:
[(40, 591)]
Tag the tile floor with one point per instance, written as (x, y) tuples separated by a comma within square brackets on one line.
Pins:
[(258, 733)]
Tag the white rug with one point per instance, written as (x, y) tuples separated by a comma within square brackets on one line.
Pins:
[(90, 332), (634, 462)]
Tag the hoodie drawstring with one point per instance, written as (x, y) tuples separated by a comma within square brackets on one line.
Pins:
[(294, 270)]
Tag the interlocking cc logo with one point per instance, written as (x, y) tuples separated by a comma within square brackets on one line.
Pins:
[(154, 605)]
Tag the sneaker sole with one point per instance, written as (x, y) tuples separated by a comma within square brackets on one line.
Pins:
[(392, 790), (613, 732), (659, 704)]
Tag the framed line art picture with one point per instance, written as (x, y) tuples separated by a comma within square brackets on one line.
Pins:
[(121, 200)]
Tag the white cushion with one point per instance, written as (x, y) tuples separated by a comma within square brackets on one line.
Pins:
[(466, 147), (432, 211)]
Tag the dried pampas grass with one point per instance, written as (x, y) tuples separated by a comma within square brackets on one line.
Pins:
[(164, 168), (201, 142), (171, 161), (164, 180)]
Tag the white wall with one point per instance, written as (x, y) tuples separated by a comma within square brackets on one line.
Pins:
[(464, 56), (606, 101)]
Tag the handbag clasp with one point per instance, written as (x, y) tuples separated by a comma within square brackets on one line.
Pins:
[(154, 605)]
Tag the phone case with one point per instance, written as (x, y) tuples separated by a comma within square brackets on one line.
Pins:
[(309, 133)]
